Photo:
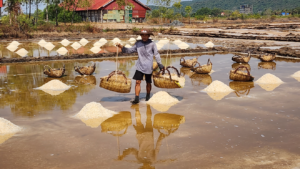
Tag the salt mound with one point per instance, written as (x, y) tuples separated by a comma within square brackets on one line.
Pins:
[(15, 43), (49, 46), (177, 42), (209, 44), (12, 48), (62, 51), (65, 41), (53, 92), (42, 43), (103, 40), (116, 40), (217, 87), (7, 127), (183, 45), (139, 38), (131, 40), (128, 46), (164, 41), (159, 46), (22, 52), (296, 74), (54, 85), (93, 114), (95, 49), (217, 95), (83, 40), (76, 45), (269, 87), (269, 79), (162, 101)]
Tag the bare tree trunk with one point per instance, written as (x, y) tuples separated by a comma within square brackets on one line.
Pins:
[(29, 8), (73, 15), (0, 11), (47, 12), (37, 12)]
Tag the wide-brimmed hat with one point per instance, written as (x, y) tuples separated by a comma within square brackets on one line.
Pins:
[(145, 32)]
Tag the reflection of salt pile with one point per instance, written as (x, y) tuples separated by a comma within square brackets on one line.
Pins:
[(12, 48), (22, 52), (209, 44), (269, 82), (296, 75), (62, 51), (65, 42), (15, 43), (217, 90), (7, 129), (127, 46), (162, 101), (93, 114), (95, 49), (83, 41), (42, 43), (49, 46), (76, 45), (54, 87), (183, 45)]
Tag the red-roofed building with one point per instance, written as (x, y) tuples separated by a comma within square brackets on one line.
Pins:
[(1, 5), (108, 11)]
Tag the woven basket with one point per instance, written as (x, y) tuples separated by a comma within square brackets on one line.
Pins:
[(54, 72), (187, 63), (237, 75), (164, 80), (204, 69), (155, 66), (118, 122), (267, 65), (86, 80), (201, 78), (116, 82), (169, 122), (85, 70), (241, 88), (236, 65), (242, 59), (267, 58)]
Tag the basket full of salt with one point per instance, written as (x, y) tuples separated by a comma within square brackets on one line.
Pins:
[(267, 57), (238, 75), (168, 80), (204, 69), (187, 63), (116, 81), (242, 59), (85, 70), (54, 72)]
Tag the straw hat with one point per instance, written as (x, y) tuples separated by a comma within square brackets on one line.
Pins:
[(145, 32)]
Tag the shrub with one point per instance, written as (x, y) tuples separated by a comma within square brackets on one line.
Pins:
[(135, 30), (215, 19)]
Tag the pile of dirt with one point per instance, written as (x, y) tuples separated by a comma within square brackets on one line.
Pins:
[(176, 23)]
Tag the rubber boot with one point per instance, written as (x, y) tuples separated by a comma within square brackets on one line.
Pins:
[(147, 96), (136, 100)]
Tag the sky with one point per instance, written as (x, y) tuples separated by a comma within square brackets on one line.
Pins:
[(42, 6)]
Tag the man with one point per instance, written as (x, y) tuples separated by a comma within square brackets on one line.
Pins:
[(146, 49)]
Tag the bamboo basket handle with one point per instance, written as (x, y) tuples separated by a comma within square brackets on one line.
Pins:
[(78, 68), (178, 74), (117, 73), (182, 58), (195, 63), (209, 62), (169, 74), (47, 66), (162, 70), (242, 67)]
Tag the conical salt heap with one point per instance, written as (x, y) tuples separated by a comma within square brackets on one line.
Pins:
[(217, 90), (162, 101), (128, 46), (93, 114), (116, 40), (159, 46), (183, 45), (16, 43), (209, 44), (7, 129), (164, 41), (269, 82), (103, 40), (49, 46), (296, 76), (76, 45), (177, 42), (22, 52), (12, 48), (65, 42), (62, 51), (131, 40), (42, 43), (54, 87), (139, 38), (95, 49)]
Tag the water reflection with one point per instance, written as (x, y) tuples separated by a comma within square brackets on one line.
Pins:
[(186, 71), (4, 137), (236, 65), (148, 151), (267, 65), (197, 79), (241, 88)]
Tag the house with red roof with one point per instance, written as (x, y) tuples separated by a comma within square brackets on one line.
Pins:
[(1, 5), (109, 11)]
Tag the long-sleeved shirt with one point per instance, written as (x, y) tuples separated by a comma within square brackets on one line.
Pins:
[(146, 51)]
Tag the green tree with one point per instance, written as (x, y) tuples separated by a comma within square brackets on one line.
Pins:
[(188, 10), (178, 6)]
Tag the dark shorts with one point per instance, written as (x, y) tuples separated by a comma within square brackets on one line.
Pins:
[(140, 76)]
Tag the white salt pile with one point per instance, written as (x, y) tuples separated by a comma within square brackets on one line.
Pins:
[(7, 127), (83, 40), (62, 51), (209, 44), (98, 44), (95, 49), (54, 85), (76, 45), (128, 46), (159, 46), (181, 79), (12, 48), (65, 42), (93, 114), (269, 79), (164, 41), (217, 90), (217, 86), (22, 52), (42, 43), (183, 45), (103, 40), (139, 38), (162, 101), (49, 46), (177, 42), (296, 75), (116, 40), (131, 40), (269, 82), (16, 43)]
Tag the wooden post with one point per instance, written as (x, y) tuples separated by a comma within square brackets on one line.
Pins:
[(101, 15)]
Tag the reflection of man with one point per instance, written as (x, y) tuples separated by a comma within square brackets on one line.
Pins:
[(147, 153)]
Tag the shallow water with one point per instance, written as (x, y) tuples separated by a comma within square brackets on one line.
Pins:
[(35, 50), (248, 128)]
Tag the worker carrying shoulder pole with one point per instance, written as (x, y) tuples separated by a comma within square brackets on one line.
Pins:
[(146, 49)]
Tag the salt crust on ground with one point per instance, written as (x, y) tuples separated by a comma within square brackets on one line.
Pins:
[(54, 85), (7, 127), (269, 79), (217, 87)]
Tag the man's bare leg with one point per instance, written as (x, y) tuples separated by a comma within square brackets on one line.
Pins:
[(149, 86), (137, 92)]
